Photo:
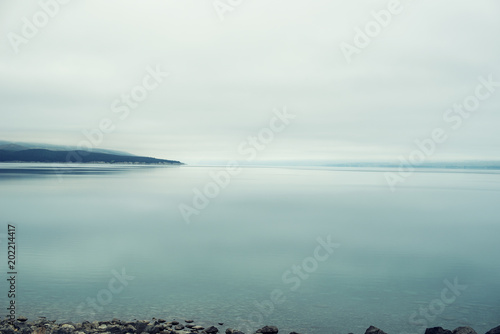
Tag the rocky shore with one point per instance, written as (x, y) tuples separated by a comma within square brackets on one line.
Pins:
[(161, 326)]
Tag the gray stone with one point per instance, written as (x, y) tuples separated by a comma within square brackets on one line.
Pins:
[(64, 329), (140, 326), (129, 329), (464, 330), (437, 330), (268, 330), (211, 330), (115, 329), (374, 330), (495, 330)]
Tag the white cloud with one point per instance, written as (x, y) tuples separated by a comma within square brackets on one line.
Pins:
[(227, 76)]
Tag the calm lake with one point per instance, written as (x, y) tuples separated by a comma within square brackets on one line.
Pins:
[(309, 250)]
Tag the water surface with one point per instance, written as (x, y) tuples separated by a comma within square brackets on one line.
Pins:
[(79, 226)]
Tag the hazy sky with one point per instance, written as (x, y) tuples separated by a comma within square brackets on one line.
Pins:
[(230, 63)]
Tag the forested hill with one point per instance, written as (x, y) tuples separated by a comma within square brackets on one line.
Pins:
[(76, 156)]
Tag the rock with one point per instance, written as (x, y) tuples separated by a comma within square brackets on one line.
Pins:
[(22, 319), (189, 325), (221, 324), (150, 328), (374, 330), (198, 328), (8, 331), (175, 323), (24, 328), (464, 330), (115, 329), (129, 329), (64, 329), (437, 330), (140, 326), (179, 327), (161, 321), (495, 330), (189, 321), (211, 330), (268, 330), (85, 326), (39, 330), (102, 327)]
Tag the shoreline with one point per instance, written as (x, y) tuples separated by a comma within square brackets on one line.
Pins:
[(162, 326)]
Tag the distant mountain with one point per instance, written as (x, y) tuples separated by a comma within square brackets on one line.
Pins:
[(76, 156), (12, 147), (18, 146)]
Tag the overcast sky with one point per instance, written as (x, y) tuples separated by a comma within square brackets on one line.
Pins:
[(230, 65)]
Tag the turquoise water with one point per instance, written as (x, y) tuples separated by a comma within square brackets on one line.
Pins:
[(96, 242)]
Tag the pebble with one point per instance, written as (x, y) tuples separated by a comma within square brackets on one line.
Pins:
[(160, 326)]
